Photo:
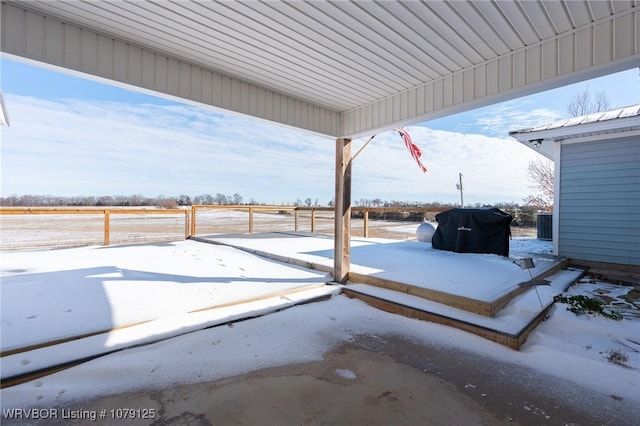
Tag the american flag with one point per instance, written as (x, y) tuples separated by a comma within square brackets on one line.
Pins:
[(413, 148)]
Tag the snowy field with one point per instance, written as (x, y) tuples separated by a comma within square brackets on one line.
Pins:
[(64, 230), (150, 292)]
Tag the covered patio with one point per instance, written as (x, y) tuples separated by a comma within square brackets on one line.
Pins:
[(65, 307), (339, 69), (343, 70)]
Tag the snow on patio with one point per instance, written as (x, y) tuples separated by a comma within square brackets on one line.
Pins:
[(56, 293), (483, 277), (119, 296)]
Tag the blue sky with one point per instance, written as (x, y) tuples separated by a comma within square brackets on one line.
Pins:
[(72, 136)]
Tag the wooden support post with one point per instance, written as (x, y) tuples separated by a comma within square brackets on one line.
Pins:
[(186, 224), (342, 227), (251, 220), (193, 220), (295, 225), (366, 224), (106, 228), (313, 220)]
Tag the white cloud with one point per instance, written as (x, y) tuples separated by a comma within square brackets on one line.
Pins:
[(77, 147), (73, 147), (500, 119)]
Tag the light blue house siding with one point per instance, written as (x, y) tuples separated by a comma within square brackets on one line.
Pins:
[(599, 201)]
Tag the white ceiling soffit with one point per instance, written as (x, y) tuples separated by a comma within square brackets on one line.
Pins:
[(339, 68)]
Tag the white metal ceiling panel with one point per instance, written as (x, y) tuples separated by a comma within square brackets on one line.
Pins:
[(365, 64), (359, 33), (443, 12), (441, 34), (210, 37), (579, 12), (410, 47), (429, 42), (469, 15), (519, 21), (558, 16), (538, 15), (498, 22), (600, 9)]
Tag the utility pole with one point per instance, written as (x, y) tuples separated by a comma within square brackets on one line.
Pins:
[(459, 187)]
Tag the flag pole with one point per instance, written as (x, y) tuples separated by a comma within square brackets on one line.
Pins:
[(362, 147)]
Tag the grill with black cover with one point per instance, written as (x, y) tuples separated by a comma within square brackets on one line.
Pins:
[(464, 230)]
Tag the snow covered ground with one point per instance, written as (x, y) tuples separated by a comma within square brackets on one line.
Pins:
[(150, 292), (483, 277)]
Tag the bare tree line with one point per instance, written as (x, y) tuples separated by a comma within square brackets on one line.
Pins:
[(162, 201), (524, 215), (137, 200)]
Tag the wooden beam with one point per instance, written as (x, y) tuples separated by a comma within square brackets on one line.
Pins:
[(366, 224), (342, 228), (461, 302), (187, 227), (193, 221), (513, 341), (106, 228)]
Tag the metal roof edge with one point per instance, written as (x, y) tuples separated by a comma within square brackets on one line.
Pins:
[(599, 122)]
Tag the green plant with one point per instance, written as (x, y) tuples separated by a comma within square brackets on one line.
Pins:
[(581, 304)]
